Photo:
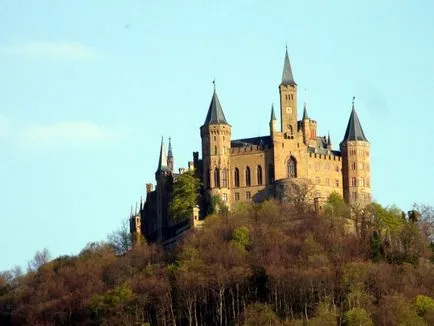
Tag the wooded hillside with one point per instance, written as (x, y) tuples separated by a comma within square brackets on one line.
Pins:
[(271, 264)]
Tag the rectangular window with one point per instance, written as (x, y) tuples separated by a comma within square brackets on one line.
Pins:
[(337, 183), (354, 181), (225, 197), (361, 182), (317, 180), (248, 195), (361, 166), (237, 196), (353, 165), (327, 182), (224, 178)]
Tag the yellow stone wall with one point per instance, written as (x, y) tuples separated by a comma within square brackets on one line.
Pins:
[(356, 171), (325, 173), (252, 157)]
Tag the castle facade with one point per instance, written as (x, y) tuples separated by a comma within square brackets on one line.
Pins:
[(292, 160)]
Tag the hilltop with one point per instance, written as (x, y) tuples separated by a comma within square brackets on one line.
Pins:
[(268, 264)]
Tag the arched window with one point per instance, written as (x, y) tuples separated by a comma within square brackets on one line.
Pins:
[(225, 178), (215, 150), (248, 182), (259, 174), (237, 177), (270, 173), (216, 178), (292, 167)]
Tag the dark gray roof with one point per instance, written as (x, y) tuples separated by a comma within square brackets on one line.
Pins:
[(215, 112), (162, 161), (354, 129), (305, 115), (287, 78), (273, 116), (256, 141), (321, 142)]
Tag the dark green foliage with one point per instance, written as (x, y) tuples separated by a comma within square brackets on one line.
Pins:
[(216, 205), (375, 246), (185, 196)]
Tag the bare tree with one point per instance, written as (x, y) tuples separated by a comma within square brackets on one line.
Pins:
[(121, 238), (40, 258), (425, 219)]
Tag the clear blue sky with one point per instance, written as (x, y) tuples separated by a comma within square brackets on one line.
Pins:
[(89, 87)]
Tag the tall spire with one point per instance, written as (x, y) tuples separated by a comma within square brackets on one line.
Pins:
[(170, 156), (329, 141), (305, 115), (169, 152), (354, 128), (215, 112), (287, 78), (162, 161), (273, 116)]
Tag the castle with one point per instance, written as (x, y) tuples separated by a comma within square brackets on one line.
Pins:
[(280, 165)]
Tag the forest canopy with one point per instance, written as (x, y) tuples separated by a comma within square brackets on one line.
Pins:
[(267, 264)]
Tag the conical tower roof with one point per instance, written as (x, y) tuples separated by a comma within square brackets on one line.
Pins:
[(162, 161), (169, 151), (273, 116), (305, 115), (287, 78), (354, 128), (215, 113)]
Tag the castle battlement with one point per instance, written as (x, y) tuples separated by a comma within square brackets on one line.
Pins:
[(249, 149), (325, 156)]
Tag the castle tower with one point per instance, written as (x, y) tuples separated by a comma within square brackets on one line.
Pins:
[(355, 162), (308, 128), (273, 122), (162, 177), (216, 146), (170, 163), (305, 125), (288, 100), (329, 142), (135, 226)]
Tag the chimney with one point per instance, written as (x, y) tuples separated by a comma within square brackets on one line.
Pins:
[(149, 187), (190, 166)]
